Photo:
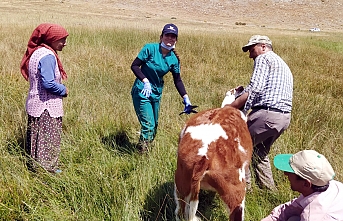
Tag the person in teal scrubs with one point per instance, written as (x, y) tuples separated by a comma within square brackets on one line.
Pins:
[(153, 62)]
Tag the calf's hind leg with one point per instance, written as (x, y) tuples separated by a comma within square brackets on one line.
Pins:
[(232, 194), (186, 207), (238, 213)]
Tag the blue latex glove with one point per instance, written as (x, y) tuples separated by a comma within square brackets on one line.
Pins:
[(189, 108), (147, 89), (188, 105)]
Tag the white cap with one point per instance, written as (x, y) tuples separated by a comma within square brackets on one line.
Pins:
[(256, 39), (308, 164)]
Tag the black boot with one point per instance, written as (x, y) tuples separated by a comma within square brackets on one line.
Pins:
[(143, 146)]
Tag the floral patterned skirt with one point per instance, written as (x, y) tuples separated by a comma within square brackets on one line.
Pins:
[(43, 140)]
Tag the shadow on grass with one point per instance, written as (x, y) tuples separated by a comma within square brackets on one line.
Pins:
[(120, 142), (16, 147), (160, 204)]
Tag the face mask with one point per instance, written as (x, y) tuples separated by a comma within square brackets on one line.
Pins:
[(167, 47)]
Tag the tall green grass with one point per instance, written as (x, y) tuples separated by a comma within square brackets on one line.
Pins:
[(103, 177)]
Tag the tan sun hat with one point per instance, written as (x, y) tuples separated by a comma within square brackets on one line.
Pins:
[(308, 164), (256, 39)]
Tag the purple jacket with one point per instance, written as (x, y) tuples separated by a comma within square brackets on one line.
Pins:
[(324, 206)]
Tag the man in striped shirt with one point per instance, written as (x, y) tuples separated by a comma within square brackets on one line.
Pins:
[(269, 97)]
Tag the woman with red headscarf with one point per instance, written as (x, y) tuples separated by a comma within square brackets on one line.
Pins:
[(43, 69)]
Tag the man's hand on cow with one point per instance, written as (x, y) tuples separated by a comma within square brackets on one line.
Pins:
[(239, 89)]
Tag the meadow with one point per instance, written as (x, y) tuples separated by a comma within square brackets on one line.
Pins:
[(103, 177)]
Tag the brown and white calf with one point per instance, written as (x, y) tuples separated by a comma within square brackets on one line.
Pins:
[(214, 152)]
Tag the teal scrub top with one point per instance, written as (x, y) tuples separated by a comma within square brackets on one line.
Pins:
[(155, 66)]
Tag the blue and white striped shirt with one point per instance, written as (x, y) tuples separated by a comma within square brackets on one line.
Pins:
[(271, 84)]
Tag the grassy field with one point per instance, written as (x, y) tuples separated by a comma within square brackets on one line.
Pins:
[(103, 177)]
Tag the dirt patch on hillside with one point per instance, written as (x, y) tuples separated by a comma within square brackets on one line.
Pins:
[(275, 14), (293, 15), (242, 15)]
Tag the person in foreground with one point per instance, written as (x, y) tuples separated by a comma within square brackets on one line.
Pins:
[(310, 174), (153, 62), (43, 69), (269, 96)]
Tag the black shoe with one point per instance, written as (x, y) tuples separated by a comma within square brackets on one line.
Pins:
[(142, 147)]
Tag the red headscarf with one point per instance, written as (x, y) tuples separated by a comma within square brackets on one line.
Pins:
[(43, 36)]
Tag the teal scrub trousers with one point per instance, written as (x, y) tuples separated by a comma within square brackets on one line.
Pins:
[(147, 111)]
